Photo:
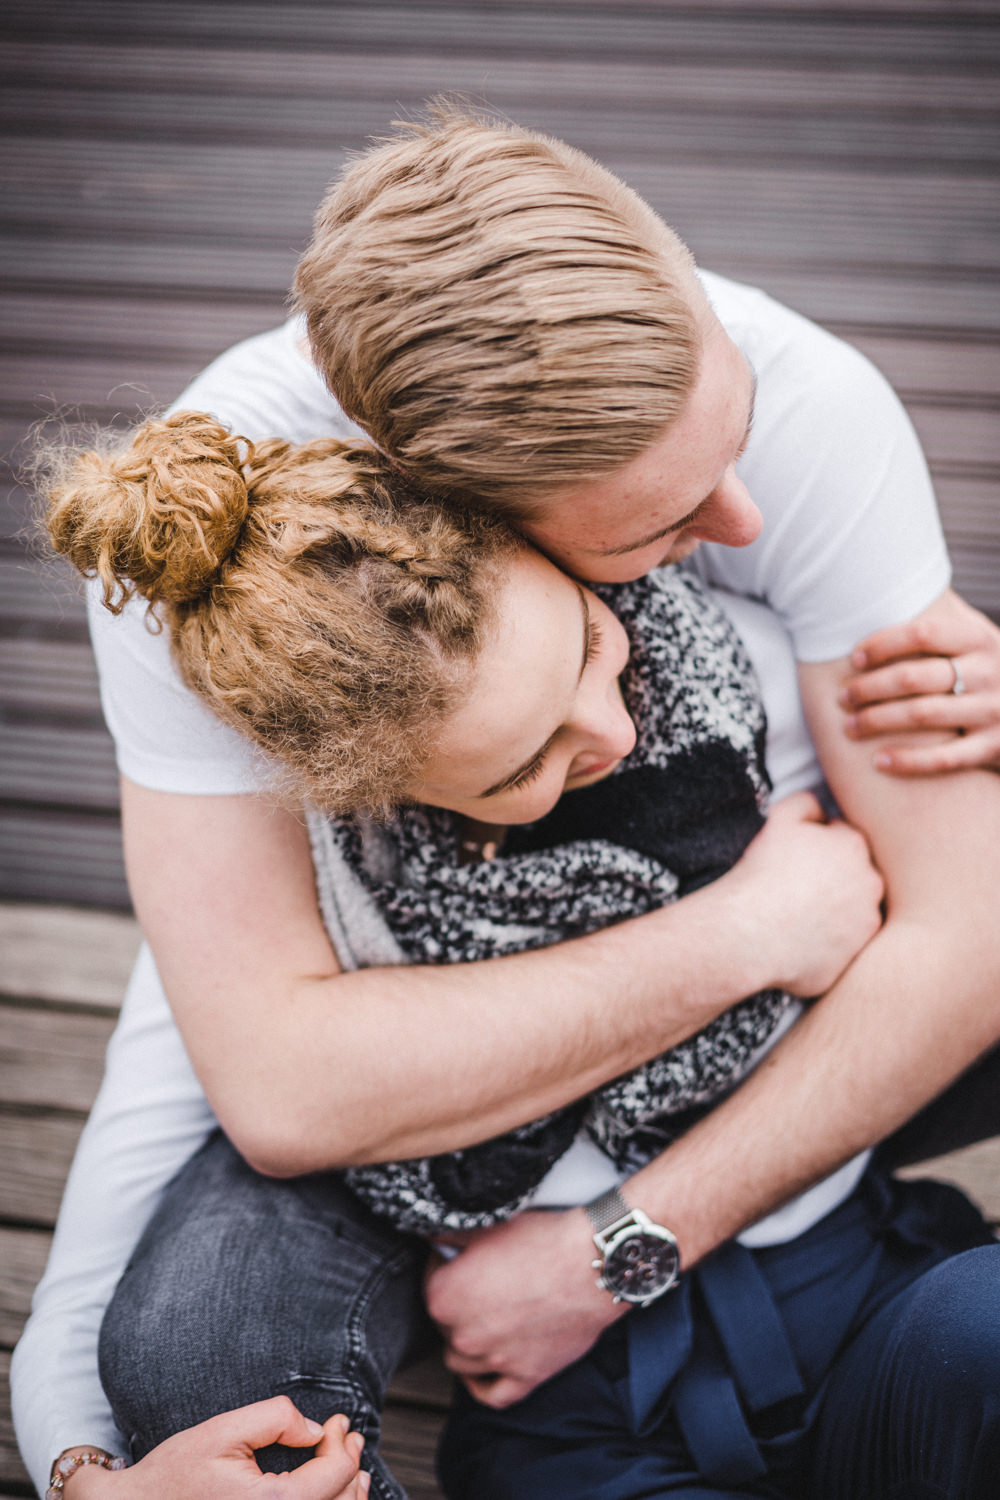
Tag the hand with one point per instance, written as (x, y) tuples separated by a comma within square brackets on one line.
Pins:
[(905, 676), (216, 1459), (520, 1303), (812, 893)]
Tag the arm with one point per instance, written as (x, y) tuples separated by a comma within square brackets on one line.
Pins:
[(915, 1008), (287, 1048), (903, 678)]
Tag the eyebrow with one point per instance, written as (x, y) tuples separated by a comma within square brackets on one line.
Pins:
[(540, 754), (692, 515)]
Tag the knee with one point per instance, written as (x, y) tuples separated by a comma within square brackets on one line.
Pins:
[(952, 1329)]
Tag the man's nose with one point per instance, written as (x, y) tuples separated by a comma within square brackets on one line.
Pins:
[(731, 516)]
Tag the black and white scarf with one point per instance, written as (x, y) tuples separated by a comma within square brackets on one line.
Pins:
[(674, 816)]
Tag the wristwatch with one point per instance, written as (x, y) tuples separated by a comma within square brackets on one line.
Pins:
[(639, 1260)]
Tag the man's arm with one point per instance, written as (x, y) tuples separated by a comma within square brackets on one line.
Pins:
[(917, 1006), (309, 1068)]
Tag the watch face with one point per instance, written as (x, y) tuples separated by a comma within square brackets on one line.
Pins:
[(641, 1264)]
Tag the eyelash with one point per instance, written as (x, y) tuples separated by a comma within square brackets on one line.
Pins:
[(531, 773), (594, 638)]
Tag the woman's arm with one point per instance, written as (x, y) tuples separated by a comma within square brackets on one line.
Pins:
[(307, 1068)]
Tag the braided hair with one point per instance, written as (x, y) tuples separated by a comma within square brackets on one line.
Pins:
[(313, 601)]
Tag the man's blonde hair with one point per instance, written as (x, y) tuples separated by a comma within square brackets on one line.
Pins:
[(502, 315)]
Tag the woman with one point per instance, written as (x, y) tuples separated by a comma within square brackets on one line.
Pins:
[(482, 720)]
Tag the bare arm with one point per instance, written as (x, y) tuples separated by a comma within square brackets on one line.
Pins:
[(917, 1006), (309, 1068)]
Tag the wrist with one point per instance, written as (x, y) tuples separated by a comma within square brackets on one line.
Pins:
[(82, 1471)]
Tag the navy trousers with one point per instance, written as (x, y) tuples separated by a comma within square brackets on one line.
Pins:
[(860, 1361)]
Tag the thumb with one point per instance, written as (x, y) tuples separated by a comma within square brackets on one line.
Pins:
[(276, 1420), (800, 807)]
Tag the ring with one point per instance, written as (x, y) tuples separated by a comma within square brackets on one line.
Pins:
[(958, 686)]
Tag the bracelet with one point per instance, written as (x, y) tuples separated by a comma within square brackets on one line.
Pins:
[(68, 1463)]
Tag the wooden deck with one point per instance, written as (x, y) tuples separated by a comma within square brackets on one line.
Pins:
[(160, 166)]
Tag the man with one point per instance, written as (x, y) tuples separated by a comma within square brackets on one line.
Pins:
[(513, 326)]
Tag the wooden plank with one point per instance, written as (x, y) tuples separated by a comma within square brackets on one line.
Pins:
[(957, 437), (699, 130), (70, 855), (184, 329), (23, 1253), (35, 1155), (643, 32), (409, 1440), (50, 676), (49, 1057), (837, 217), (37, 592), (383, 80), (921, 368), (64, 955), (58, 765), (13, 1474), (110, 387)]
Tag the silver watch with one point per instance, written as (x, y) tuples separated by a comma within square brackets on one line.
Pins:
[(639, 1260)]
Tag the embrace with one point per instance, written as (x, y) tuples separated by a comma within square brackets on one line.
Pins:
[(473, 645)]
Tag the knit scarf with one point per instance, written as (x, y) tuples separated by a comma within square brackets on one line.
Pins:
[(674, 816)]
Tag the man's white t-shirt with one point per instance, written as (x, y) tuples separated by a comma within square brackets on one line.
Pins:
[(851, 542)]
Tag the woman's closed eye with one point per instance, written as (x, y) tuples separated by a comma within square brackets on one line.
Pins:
[(595, 637), (529, 774)]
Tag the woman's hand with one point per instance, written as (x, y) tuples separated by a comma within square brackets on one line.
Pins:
[(520, 1303), (811, 895), (216, 1459), (906, 680)]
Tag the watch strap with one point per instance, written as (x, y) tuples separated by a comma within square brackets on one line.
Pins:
[(607, 1209)]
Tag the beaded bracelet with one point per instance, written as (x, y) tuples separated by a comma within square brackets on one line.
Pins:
[(68, 1463)]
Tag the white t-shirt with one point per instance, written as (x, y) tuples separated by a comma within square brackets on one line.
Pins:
[(851, 542)]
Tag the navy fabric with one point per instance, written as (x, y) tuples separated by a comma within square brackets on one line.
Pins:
[(802, 1370)]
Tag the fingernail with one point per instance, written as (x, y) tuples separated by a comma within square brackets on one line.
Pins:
[(344, 1423), (356, 1441), (314, 1427), (859, 659), (365, 1481), (843, 697), (882, 761), (851, 724)]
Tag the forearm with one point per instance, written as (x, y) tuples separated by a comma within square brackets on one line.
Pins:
[(902, 1024), (395, 1062)]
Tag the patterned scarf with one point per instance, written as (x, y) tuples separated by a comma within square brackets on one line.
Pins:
[(674, 816)]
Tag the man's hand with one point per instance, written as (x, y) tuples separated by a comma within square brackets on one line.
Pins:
[(905, 678), (813, 893), (520, 1303)]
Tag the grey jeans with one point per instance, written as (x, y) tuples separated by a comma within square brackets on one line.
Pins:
[(243, 1287)]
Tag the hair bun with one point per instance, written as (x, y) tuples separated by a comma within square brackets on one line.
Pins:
[(158, 518)]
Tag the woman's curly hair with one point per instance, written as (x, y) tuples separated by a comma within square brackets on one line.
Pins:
[(313, 603)]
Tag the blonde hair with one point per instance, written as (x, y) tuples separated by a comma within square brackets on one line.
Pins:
[(497, 311), (313, 606)]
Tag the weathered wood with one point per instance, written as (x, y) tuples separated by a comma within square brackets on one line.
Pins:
[(67, 855), (12, 1471), (48, 1057), (65, 955), (48, 677), (35, 1154), (23, 1253)]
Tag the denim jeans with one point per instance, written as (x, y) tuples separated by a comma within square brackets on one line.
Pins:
[(243, 1287)]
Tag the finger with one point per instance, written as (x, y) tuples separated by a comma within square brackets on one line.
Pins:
[(981, 749), (936, 636), (330, 1476), (469, 1364), (939, 712), (501, 1392), (276, 1420), (799, 807), (913, 678)]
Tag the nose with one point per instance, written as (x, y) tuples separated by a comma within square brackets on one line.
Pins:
[(731, 516), (608, 732)]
